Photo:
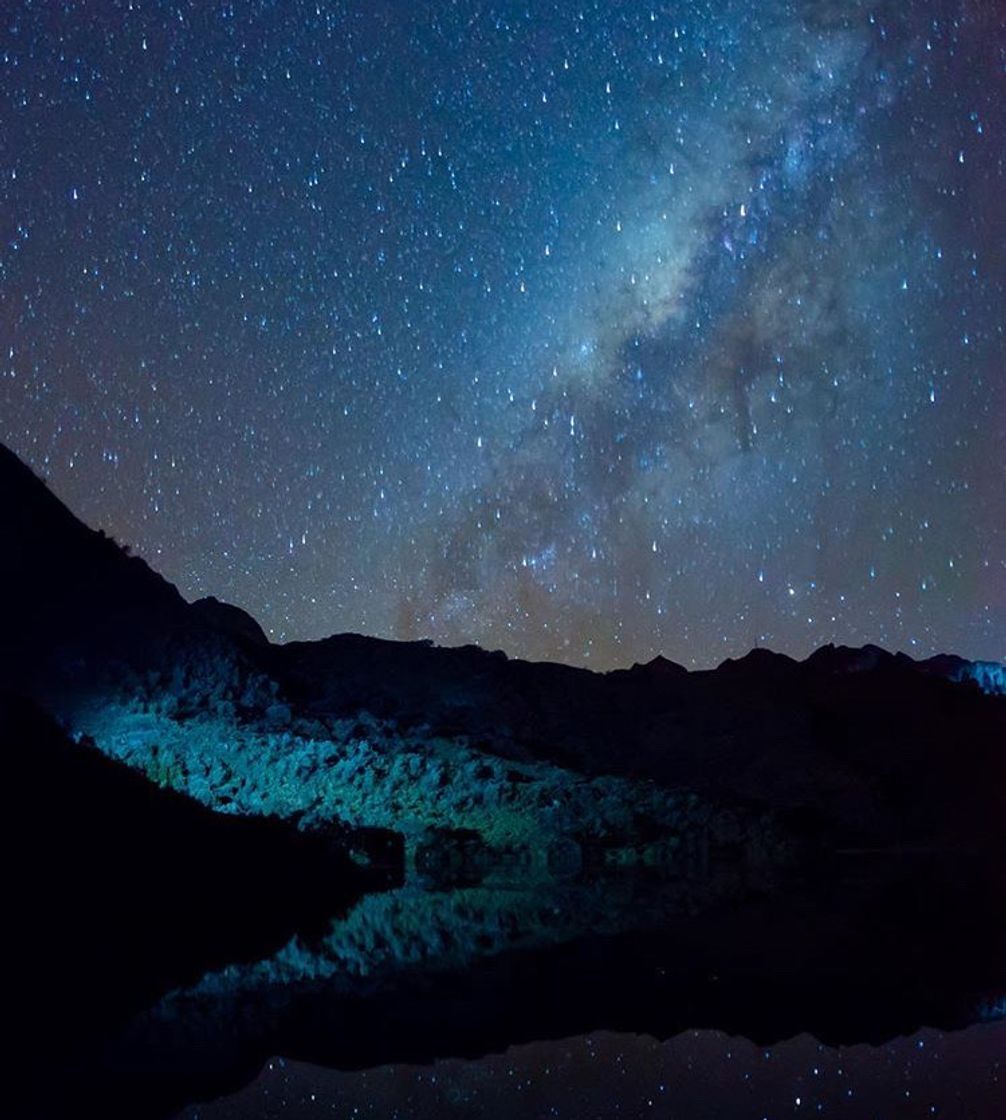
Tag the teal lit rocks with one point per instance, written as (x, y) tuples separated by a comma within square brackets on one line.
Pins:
[(463, 812)]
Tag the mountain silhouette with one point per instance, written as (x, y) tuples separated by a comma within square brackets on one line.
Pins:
[(849, 747)]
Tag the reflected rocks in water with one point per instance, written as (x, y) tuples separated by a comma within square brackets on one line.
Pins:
[(416, 975), (696, 1076)]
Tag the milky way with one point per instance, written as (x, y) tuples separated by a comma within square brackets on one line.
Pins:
[(587, 331)]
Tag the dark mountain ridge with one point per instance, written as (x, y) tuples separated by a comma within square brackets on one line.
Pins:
[(859, 746)]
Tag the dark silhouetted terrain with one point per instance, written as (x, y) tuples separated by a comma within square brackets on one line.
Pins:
[(850, 747)]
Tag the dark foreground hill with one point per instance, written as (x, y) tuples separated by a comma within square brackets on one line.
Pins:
[(67, 588)]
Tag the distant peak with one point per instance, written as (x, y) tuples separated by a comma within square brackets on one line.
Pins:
[(229, 618), (758, 659), (659, 666), (848, 659)]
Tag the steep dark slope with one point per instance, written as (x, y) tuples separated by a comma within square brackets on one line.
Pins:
[(70, 592), (81, 614), (52, 562)]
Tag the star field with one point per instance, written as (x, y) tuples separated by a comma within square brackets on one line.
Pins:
[(583, 330)]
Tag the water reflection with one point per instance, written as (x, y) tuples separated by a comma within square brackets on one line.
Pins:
[(418, 985), (388, 936), (699, 1074)]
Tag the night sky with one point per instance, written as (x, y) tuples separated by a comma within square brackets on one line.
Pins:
[(584, 330)]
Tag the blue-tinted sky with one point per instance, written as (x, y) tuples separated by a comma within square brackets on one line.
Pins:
[(584, 330)]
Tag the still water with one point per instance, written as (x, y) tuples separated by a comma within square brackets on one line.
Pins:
[(699, 1075), (874, 991)]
